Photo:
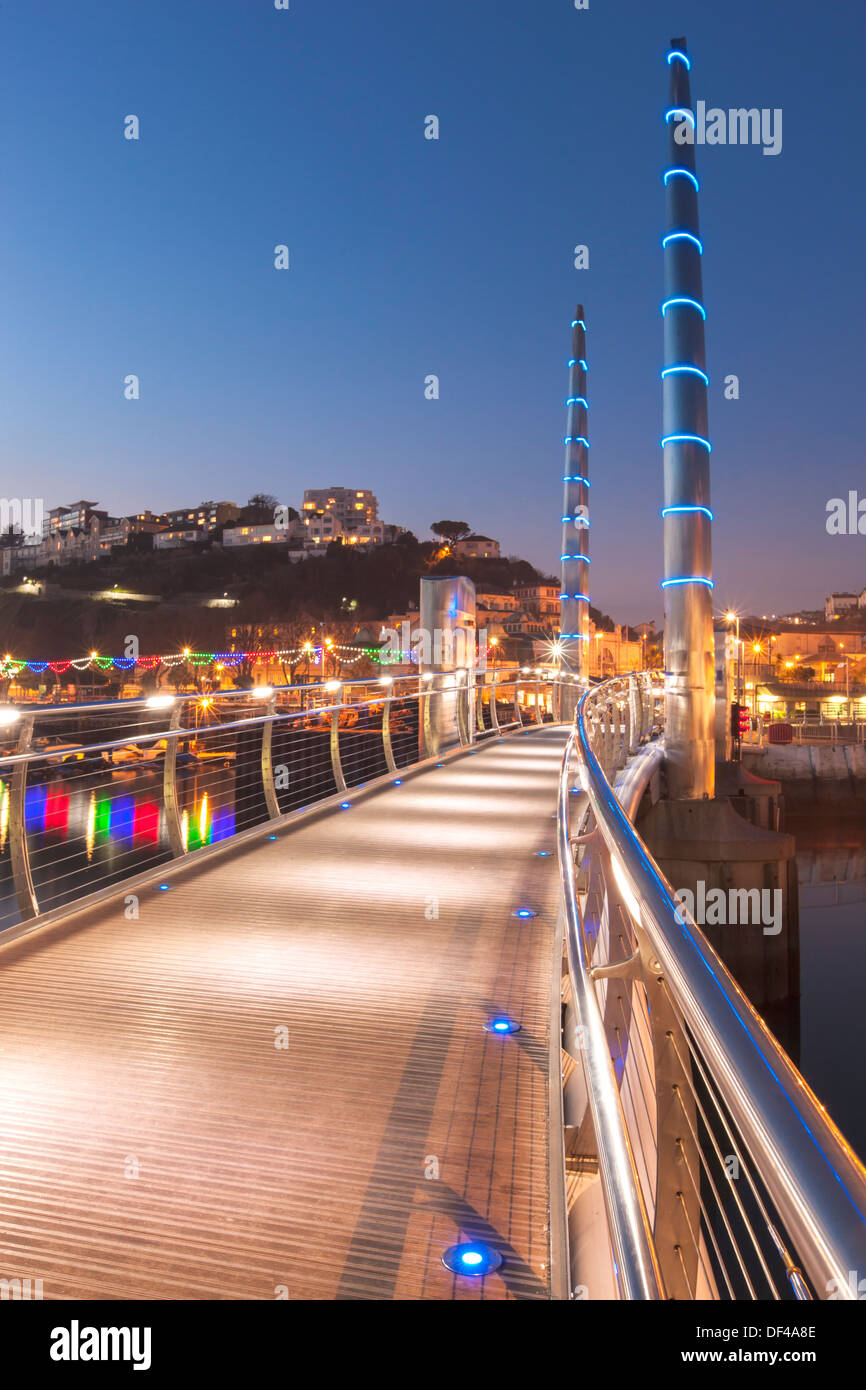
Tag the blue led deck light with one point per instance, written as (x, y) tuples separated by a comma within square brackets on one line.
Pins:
[(475, 1260), (164, 887), (688, 579), (669, 511), (684, 236), (685, 367), (683, 57), (687, 439), (344, 805), (681, 173), (503, 1025), (524, 912), (398, 781), (684, 299), (543, 853)]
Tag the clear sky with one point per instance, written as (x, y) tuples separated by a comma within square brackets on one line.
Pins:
[(452, 257)]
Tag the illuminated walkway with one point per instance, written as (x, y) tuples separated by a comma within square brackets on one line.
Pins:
[(158, 1139)]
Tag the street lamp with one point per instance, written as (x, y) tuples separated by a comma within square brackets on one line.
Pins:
[(756, 652), (735, 618)]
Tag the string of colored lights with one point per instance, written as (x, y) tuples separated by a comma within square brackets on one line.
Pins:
[(13, 666)]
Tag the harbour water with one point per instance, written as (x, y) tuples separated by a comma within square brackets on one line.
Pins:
[(831, 857)]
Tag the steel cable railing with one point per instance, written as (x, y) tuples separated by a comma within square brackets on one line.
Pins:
[(727, 1175), (95, 795)]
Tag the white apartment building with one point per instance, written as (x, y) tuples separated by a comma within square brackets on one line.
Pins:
[(348, 505)]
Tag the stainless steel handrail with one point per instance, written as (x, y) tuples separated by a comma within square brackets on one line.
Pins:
[(635, 1263), (811, 1173)]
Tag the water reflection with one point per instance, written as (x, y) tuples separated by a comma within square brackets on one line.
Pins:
[(87, 832), (831, 860)]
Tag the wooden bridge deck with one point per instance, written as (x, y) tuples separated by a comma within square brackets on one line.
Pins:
[(158, 1141)]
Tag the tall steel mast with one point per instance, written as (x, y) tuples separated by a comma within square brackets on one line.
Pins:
[(688, 582), (574, 597)]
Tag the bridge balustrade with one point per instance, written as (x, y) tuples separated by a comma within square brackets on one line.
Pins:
[(723, 1176), (94, 796)]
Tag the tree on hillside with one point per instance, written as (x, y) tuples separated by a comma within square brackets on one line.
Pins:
[(450, 530), (260, 509)]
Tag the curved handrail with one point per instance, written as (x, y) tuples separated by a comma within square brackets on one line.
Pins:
[(810, 1171), (635, 1263)]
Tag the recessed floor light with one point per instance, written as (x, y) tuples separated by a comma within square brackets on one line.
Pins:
[(503, 1025), (475, 1259)]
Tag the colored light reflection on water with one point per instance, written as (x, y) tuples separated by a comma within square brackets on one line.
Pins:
[(125, 821)]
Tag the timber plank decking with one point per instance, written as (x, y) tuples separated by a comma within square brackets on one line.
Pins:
[(381, 938)]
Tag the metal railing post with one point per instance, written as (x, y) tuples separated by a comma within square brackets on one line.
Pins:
[(271, 799), (463, 714), (424, 721), (169, 786), (386, 735), (336, 764), (28, 903), (494, 712)]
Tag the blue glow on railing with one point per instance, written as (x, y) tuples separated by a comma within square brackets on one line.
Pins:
[(578, 400), (680, 111), (684, 299), (683, 236), (686, 173), (575, 478), (686, 367), (575, 636), (578, 322), (688, 579), (575, 439), (669, 511), (577, 598), (683, 57), (581, 362), (576, 557), (687, 439)]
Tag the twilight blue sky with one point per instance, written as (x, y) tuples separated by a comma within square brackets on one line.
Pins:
[(411, 257)]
